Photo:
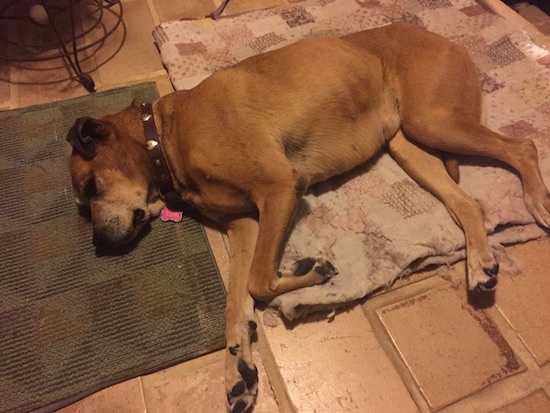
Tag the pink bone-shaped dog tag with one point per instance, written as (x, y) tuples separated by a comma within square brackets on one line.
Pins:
[(168, 214)]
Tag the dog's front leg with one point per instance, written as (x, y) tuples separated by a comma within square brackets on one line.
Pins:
[(241, 375), (277, 207)]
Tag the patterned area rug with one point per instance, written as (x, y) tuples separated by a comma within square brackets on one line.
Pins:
[(73, 322), (378, 226)]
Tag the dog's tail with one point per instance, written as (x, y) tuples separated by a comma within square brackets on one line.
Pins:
[(451, 164)]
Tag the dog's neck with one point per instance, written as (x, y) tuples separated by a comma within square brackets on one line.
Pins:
[(157, 160)]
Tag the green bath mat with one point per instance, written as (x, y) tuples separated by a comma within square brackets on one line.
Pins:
[(73, 322)]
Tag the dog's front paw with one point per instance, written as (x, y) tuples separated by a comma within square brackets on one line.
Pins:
[(539, 207), (242, 387), (241, 375), (321, 267)]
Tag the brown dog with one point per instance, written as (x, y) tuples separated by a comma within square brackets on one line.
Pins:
[(246, 144)]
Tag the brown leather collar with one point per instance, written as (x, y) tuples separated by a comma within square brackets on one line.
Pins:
[(157, 161)]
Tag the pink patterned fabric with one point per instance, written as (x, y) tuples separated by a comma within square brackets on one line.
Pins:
[(376, 224)]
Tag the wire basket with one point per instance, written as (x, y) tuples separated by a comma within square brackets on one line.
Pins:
[(40, 30)]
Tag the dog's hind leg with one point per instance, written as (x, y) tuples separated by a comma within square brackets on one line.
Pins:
[(521, 154), (241, 375), (429, 171), (459, 133)]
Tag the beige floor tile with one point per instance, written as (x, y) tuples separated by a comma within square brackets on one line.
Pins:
[(198, 386), (5, 89), (220, 252), (524, 298), (126, 397), (36, 93), (164, 86), (337, 366), (139, 56), (537, 402), (46, 81), (451, 349), (169, 10), (40, 80)]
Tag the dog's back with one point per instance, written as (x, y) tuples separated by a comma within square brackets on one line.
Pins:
[(321, 102), (427, 71)]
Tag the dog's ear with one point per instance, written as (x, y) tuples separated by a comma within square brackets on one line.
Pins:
[(84, 136)]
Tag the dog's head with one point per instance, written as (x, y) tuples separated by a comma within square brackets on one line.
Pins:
[(111, 175)]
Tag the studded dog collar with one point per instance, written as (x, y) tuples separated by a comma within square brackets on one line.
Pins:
[(157, 161)]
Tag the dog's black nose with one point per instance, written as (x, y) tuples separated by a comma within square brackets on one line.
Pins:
[(98, 240), (139, 214)]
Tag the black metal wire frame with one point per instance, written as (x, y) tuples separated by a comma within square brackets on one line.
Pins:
[(70, 52)]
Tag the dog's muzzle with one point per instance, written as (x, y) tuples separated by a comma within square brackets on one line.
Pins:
[(110, 238)]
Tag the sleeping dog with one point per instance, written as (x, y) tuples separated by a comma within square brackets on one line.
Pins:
[(246, 144)]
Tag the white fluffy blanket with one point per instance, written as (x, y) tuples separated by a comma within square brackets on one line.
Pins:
[(378, 225)]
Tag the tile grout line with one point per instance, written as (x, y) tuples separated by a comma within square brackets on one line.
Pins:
[(142, 393), (276, 380), (153, 11)]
